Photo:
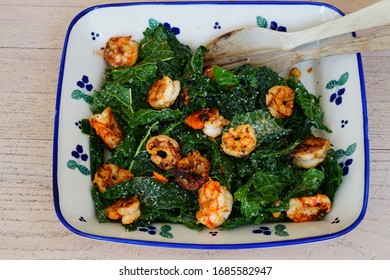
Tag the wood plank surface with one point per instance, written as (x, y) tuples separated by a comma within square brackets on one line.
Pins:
[(31, 39)]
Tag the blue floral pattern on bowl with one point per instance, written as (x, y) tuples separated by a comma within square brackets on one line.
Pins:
[(263, 22), (278, 230), (94, 36), (84, 89), (337, 96), (217, 25), (80, 157), (345, 157), (152, 230)]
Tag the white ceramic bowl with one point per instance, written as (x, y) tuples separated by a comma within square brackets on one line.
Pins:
[(338, 80)]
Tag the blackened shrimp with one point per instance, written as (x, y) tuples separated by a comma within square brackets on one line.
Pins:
[(107, 128), (163, 93), (280, 101), (121, 51), (308, 208), (109, 175), (164, 151), (209, 120), (311, 152), (192, 171), (240, 141)]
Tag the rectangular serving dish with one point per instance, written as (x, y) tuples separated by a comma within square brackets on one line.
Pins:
[(338, 80)]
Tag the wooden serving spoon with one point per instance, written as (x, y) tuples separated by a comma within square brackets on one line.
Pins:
[(245, 42), (278, 60)]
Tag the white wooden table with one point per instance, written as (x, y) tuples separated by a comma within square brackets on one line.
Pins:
[(31, 40)]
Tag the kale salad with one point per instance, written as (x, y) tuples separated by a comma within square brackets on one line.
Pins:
[(259, 181)]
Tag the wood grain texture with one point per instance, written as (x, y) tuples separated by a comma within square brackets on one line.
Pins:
[(31, 40)]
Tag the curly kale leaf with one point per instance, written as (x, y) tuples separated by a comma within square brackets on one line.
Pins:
[(100, 204), (125, 152), (113, 95), (96, 147), (251, 203), (333, 175), (193, 140), (195, 64), (144, 117), (261, 192), (161, 47), (155, 47), (143, 166), (223, 168), (310, 184), (137, 77), (225, 78), (309, 104), (257, 81), (202, 92)]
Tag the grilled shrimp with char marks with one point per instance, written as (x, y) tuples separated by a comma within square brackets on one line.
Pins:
[(107, 128), (308, 208), (128, 210), (109, 175), (280, 101), (209, 120), (310, 152), (121, 51), (163, 93), (239, 142), (164, 151), (215, 204), (192, 171)]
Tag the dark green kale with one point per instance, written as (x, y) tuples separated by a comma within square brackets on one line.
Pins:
[(100, 204), (257, 81), (307, 107), (333, 175), (195, 64), (223, 167), (158, 200), (261, 183), (96, 146), (161, 47)]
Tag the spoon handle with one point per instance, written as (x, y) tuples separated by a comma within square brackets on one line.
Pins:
[(277, 60), (377, 40), (374, 15)]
